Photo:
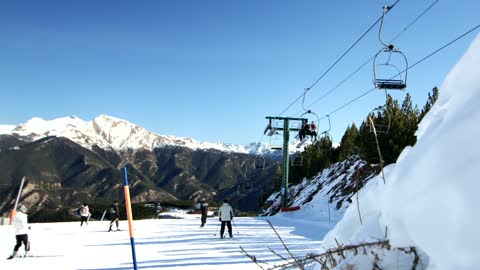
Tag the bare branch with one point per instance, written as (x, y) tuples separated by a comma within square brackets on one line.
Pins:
[(378, 148), (358, 202), (280, 256), (253, 258), (285, 246)]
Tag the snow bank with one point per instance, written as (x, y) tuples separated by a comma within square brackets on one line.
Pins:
[(429, 199)]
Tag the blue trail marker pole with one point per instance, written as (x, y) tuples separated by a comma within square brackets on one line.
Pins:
[(128, 205)]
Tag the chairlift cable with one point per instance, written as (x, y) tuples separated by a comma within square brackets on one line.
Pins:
[(414, 21), (410, 67), (370, 59), (340, 58)]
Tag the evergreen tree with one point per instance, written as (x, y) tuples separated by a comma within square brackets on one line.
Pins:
[(432, 98), (395, 125), (349, 142)]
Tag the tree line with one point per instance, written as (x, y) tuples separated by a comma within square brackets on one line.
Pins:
[(395, 125)]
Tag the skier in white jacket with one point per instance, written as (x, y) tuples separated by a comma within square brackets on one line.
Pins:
[(225, 215), (84, 214), (20, 224)]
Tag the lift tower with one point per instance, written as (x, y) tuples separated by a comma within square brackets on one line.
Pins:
[(285, 125)]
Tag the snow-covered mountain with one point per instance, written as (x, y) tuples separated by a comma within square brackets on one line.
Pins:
[(113, 133)]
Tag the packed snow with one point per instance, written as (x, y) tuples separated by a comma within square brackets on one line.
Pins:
[(159, 244)]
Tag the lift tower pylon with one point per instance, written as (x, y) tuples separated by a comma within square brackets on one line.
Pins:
[(285, 125)]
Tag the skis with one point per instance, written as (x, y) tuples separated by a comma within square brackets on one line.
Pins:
[(302, 142), (32, 256)]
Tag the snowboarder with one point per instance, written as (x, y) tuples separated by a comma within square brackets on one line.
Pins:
[(225, 215), (84, 214), (204, 211), (20, 224), (114, 215)]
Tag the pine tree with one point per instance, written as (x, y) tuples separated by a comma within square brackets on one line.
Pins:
[(349, 142), (432, 98)]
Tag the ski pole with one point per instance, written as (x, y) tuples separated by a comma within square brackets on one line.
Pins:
[(215, 234), (234, 225)]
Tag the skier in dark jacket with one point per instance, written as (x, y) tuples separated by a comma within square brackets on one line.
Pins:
[(114, 215), (204, 211)]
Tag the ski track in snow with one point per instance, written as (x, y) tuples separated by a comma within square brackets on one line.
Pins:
[(159, 244)]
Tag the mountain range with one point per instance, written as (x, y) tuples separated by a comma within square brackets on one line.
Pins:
[(67, 161)]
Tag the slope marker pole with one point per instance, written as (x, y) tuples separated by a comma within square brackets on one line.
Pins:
[(128, 205), (14, 211)]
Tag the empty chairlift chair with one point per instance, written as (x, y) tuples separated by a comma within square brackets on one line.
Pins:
[(387, 63)]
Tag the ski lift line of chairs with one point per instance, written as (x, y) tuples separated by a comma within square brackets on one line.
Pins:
[(296, 159), (389, 83), (329, 125), (276, 141), (274, 130), (312, 131), (259, 162), (381, 123), (245, 187)]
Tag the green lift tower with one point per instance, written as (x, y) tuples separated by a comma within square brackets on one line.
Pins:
[(279, 125)]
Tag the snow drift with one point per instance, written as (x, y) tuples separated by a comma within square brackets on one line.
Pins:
[(429, 199)]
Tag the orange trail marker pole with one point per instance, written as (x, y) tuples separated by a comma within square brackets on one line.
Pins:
[(128, 205)]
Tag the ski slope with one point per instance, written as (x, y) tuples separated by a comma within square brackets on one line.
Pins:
[(160, 244)]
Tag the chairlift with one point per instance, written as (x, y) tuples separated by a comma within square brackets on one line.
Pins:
[(329, 125), (381, 120), (296, 159), (387, 75), (276, 141), (259, 162), (310, 132), (245, 187)]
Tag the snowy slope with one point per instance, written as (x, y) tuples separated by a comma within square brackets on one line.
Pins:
[(114, 133), (324, 197), (429, 201), (160, 244)]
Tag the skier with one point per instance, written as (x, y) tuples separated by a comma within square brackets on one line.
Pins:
[(20, 224), (158, 210), (304, 130), (225, 215), (204, 211), (313, 131), (84, 214), (114, 215)]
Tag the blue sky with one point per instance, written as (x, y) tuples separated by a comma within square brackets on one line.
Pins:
[(212, 70)]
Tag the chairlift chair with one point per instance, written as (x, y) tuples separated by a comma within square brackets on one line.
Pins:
[(383, 80), (388, 82), (317, 122), (259, 162), (245, 187), (381, 123), (296, 159), (276, 141)]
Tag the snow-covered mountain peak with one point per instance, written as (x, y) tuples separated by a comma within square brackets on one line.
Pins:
[(114, 133), (120, 134), (37, 128)]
